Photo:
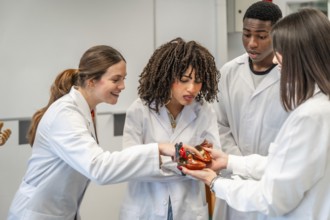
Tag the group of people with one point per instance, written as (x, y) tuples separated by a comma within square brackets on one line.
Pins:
[(267, 118)]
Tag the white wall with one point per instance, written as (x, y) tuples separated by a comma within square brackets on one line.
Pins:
[(40, 38)]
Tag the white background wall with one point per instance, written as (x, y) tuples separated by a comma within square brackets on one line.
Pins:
[(40, 38)]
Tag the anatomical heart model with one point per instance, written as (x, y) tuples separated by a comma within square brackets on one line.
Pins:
[(191, 160)]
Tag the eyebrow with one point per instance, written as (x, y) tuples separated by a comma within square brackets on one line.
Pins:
[(245, 29)]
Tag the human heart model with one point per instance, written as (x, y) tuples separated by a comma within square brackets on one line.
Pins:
[(191, 160)]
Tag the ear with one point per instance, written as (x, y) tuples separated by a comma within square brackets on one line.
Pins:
[(91, 83)]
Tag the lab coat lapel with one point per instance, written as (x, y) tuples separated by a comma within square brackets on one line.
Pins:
[(188, 115), (244, 61), (85, 110), (164, 120), (272, 77)]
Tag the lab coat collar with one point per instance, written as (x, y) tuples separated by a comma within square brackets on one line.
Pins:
[(81, 103), (272, 77), (188, 114), (83, 106)]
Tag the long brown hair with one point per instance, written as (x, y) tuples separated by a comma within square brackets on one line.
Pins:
[(93, 64), (303, 40)]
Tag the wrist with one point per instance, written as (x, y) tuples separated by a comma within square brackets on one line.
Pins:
[(212, 183)]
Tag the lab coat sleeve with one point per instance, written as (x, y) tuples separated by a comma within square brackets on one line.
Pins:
[(228, 142), (210, 126), (73, 142), (296, 161), (251, 166), (133, 136)]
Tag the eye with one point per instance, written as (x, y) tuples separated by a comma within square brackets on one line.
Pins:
[(118, 79), (263, 37), (246, 35), (184, 80)]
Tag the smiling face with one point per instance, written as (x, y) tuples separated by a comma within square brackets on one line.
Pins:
[(185, 89), (257, 41), (108, 88)]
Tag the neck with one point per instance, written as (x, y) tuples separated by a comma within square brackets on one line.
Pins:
[(87, 97), (174, 110)]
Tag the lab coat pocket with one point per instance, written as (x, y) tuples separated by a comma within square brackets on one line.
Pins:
[(21, 200), (31, 215)]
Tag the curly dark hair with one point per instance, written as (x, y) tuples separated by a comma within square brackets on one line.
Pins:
[(264, 11), (168, 63)]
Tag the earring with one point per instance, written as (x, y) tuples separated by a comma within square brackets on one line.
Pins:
[(169, 100)]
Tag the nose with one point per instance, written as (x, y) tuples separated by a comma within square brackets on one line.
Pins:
[(194, 87), (121, 86), (253, 43)]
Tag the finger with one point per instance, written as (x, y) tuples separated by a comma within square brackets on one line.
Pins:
[(4, 136), (192, 150), (208, 149), (6, 133), (185, 170)]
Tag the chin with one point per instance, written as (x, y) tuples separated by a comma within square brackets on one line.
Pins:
[(112, 102)]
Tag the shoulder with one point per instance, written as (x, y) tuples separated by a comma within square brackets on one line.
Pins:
[(314, 111), (235, 63), (317, 106), (204, 109), (63, 114), (64, 105), (137, 107)]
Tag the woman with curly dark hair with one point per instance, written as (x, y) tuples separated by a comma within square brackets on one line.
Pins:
[(175, 91)]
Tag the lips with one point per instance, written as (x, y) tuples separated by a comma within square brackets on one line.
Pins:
[(253, 55), (189, 98), (115, 94)]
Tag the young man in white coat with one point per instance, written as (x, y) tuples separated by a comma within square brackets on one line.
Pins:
[(250, 113)]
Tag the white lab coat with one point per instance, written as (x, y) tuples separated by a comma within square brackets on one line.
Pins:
[(249, 118), (65, 156), (295, 183), (148, 199)]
